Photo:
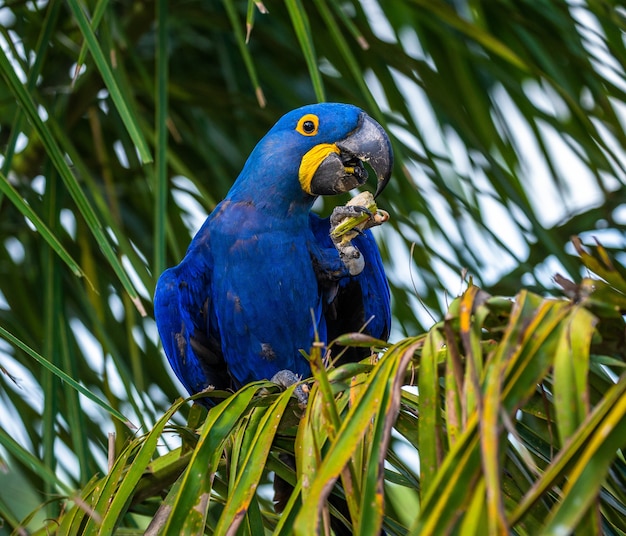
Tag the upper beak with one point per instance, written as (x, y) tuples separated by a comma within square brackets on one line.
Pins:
[(331, 169), (370, 143)]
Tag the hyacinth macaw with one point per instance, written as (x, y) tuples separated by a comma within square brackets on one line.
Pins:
[(262, 278)]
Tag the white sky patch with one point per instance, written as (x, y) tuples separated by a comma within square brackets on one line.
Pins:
[(604, 63), (376, 89), (493, 259), (115, 380), (15, 249), (19, 48), (150, 330), (43, 113), (539, 181), (4, 305), (177, 383), (413, 47), (406, 452), (12, 425), (423, 315), (404, 272), (445, 235), (135, 279), (89, 345), (72, 72), (527, 279), (29, 391), (545, 271), (68, 470), (68, 222), (96, 413), (139, 253), (454, 283), (118, 148), (116, 306), (21, 142), (378, 21), (103, 95), (498, 219), (421, 112), (7, 18), (30, 224), (609, 238), (186, 196), (139, 338), (185, 183), (496, 258), (458, 154), (619, 214), (158, 396), (168, 442), (580, 188), (327, 68), (194, 213), (38, 184), (545, 99), (99, 454), (553, 197), (615, 152), (408, 139), (25, 384), (620, 110), (37, 5), (112, 235)]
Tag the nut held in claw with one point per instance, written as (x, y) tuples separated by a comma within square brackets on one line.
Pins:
[(352, 225)]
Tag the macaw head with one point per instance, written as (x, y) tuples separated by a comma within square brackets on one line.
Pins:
[(315, 150)]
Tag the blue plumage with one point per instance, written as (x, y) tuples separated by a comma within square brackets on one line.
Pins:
[(262, 274)]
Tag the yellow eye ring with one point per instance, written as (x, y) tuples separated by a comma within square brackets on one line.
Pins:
[(308, 125)]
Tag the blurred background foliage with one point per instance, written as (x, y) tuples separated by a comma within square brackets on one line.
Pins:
[(123, 123)]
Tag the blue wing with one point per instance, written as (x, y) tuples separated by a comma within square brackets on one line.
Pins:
[(356, 301), (182, 313)]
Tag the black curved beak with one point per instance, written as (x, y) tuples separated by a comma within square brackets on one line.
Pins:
[(370, 143), (342, 171)]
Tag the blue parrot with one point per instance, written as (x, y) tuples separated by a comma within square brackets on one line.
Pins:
[(263, 278)]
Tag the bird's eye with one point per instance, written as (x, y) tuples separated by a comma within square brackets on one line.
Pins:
[(308, 125)]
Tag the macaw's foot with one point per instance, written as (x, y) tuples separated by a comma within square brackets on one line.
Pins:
[(286, 378), (350, 220), (342, 212), (357, 215)]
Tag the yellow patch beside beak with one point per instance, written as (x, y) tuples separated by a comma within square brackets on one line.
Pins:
[(311, 161)]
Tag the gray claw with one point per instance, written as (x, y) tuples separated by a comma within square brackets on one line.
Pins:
[(286, 378), (346, 211)]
